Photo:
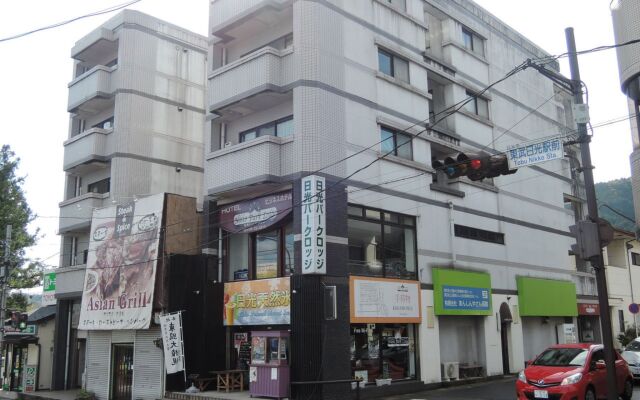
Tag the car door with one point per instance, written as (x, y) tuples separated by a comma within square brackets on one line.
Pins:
[(598, 377), (621, 371)]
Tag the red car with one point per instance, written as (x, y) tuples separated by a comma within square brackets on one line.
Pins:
[(571, 372)]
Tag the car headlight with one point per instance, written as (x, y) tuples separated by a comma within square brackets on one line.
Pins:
[(570, 380), (522, 377)]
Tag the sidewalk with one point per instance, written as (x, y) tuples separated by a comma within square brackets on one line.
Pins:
[(41, 395)]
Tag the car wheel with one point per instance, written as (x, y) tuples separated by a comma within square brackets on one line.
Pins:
[(590, 395), (628, 390)]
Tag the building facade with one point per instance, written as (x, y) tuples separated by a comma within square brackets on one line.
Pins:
[(136, 104), (626, 27), (349, 103)]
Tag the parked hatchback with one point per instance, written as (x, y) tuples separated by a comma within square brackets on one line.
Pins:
[(631, 355), (571, 372)]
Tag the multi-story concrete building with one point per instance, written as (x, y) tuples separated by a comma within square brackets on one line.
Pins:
[(359, 93), (626, 27), (136, 104)]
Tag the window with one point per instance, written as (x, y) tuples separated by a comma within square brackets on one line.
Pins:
[(468, 232), (280, 128), (399, 4), (472, 42), (381, 243), (477, 106), (106, 124), (101, 186), (383, 351), (396, 143), (261, 255), (621, 320), (392, 65), (635, 258)]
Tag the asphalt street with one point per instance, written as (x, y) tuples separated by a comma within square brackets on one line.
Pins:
[(503, 389)]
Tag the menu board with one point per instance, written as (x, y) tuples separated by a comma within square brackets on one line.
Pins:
[(244, 355)]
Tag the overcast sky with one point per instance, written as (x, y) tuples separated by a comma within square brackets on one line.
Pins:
[(36, 69)]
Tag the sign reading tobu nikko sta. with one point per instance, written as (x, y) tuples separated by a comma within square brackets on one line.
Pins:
[(535, 152), (121, 266)]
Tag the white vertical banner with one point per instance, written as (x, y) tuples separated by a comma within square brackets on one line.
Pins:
[(171, 327), (314, 232)]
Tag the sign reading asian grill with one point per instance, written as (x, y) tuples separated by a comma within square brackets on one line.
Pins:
[(314, 235), (381, 300), (255, 214), (259, 302), (121, 266)]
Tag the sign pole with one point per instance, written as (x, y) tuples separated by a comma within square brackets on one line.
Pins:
[(184, 364)]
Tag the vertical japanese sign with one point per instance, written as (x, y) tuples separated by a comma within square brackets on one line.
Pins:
[(48, 288), (171, 327), (30, 378), (314, 235)]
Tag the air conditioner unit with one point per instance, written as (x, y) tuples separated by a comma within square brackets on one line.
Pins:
[(450, 371)]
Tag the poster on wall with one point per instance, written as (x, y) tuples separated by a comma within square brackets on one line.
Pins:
[(48, 288), (384, 300), (260, 302), (255, 214), (121, 266), (458, 292), (314, 227), (171, 328)]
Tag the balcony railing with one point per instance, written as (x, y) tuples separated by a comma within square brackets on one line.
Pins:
[(87, 90), (76, 213), (90, 145), (252, 161), (267, 69)]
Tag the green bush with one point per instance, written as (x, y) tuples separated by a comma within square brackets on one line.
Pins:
[(628, 336)]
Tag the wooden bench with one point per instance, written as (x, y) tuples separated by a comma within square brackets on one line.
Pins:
[(201, 382), (229, 380)]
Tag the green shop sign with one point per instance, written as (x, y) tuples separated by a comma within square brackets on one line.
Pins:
[(546, 297), (461, 293)]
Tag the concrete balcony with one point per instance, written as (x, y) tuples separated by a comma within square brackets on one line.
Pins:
[(95, 45), (227, 17), (261, 160), (76, 213), (92, 91), (87, 149), (251, 83)]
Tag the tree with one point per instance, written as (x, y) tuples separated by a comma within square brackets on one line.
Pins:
[(15, 211), (17, 302)]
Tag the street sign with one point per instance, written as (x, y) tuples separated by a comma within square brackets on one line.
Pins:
[(534, 152), (49, 288), (634, 308)]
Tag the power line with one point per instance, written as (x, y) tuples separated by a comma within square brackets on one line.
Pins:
[(93, 14), (617, 212)]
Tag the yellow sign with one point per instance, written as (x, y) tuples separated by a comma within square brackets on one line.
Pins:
[(259, 302)]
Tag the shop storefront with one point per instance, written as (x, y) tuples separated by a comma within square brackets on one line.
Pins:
[(548, 309), (589, 323), (462, 300), (384, 316)]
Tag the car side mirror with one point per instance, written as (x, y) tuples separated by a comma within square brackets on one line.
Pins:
[(600, 365), (527, 363)]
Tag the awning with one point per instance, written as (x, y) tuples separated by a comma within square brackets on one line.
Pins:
[(20, 339), (546, 297)]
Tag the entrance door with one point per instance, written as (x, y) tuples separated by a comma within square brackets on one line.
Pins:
[(504, 337), (122, 368)]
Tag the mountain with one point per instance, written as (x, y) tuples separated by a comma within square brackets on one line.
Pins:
[(616, 194)]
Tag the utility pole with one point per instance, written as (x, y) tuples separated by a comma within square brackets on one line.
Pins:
[(597, 261), (4, 278)]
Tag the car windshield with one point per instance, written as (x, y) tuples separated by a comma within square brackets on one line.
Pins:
[(633, 346), (562, 357)]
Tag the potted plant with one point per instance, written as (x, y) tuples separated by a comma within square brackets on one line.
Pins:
[(85, 395)]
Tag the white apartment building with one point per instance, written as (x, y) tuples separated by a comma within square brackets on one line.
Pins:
[(136, 105), (327, 88)]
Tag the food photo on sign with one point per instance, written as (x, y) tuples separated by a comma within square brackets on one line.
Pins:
[(121, 266)]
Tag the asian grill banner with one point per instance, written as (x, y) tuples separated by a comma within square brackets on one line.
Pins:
[(171, 327), (121, 266), (259, 302)]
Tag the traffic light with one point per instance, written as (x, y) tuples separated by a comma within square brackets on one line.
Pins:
[(15, 319), (587, 244), (474, 166), (23, 321)]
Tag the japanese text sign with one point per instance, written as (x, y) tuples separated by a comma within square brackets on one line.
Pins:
[(314, 229), (259, 302), (384, 300), (48, 288), (465, 298), (171, 327), (534, 152)]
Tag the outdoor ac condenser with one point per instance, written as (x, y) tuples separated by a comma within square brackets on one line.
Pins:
[(450, 371)]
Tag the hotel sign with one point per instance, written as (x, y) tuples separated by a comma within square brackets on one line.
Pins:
[(314, 226), (255, 214)]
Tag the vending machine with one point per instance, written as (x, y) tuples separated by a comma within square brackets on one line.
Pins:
[(269, 368)]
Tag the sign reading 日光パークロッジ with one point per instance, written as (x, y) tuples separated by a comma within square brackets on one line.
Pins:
[(121, 266)]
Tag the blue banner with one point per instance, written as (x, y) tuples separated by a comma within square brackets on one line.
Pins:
[(465, 298)]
